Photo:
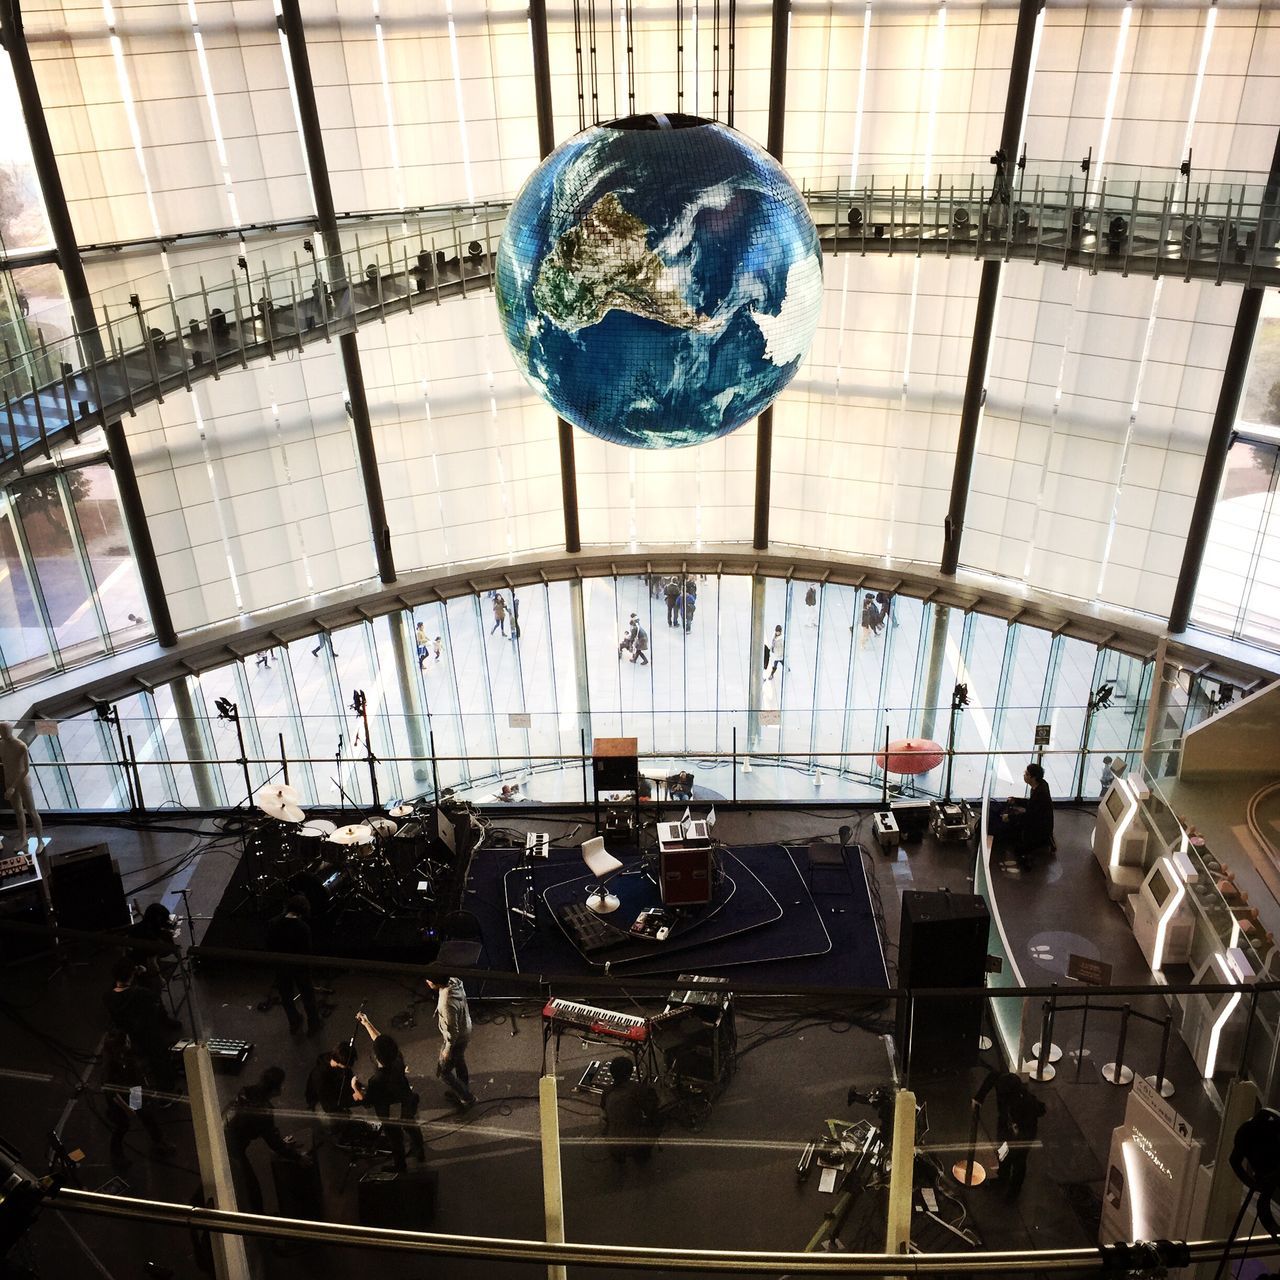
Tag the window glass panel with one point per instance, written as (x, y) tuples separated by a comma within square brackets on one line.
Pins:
[(97, 506), (58, 566), (24, 643)]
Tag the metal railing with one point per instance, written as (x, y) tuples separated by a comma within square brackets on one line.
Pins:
[(53, 392)]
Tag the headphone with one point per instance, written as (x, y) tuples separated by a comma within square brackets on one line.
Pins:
[(1255, 1160)]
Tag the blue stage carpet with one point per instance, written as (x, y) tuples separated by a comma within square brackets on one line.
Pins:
[(762, 924)]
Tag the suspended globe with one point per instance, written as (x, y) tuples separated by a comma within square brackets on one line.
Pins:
[(659, 280)]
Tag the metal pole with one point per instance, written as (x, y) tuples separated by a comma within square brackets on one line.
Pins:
[(435, 770), (1215, 457), (45, 162), (776, 128), (733, 767), (1162, 1086), (1042, 1070), (988, 292), (1084, 1022), (1116, 1072), (290, 21), (284, 760), (968, 1172)]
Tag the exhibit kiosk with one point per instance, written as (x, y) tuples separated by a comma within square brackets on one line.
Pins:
[(1163, 915), (1213, 1025), (1120, 838)]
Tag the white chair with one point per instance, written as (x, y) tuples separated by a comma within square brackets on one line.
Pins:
[(603, 865)]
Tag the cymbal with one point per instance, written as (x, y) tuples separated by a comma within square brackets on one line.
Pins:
[(281, 792), (280, 810), (320, 827), (355, 833), (384, 827), (401, 810)]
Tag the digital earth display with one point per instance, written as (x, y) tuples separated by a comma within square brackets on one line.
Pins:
[(659, 280)]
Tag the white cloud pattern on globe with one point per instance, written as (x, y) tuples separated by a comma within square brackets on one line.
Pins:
[(659, 281)]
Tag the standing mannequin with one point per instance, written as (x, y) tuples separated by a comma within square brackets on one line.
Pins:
[(16, 763)]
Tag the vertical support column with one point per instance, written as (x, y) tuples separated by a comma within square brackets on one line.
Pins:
[(777, 121), (230, 1260), (988, 292), (290, 21), (546, 144), (45, 163), (206, 784), (755, 664), (406, 658), (552, 1182), (933, 673), (582, 686), (897, 1231), (1216, 450)]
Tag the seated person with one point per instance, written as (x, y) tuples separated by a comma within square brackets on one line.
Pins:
[(1026, 826), (680, 786), (510, 791)]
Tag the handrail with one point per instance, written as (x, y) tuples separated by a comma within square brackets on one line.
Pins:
[(730, 1261), (51, 393)]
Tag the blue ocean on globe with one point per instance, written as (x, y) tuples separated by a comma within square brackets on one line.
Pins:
[(659, 280)]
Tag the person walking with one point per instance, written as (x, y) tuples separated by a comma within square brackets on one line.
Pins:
[(324, 642), (776, 651), (138, 1011), (639, 643), (515, 617), (870, 620), (453, 1016), (1108, 775), (499, 615), (437, 649), (811, 605), (1018, 1113), (671, 592), (421, 641), (290, 934), (123, 1078)]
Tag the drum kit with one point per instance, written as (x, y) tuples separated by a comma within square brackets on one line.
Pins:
[(355, 864)]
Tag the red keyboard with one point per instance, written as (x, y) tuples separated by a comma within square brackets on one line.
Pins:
[(586, 1020)]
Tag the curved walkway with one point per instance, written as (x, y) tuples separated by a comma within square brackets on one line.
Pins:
[(52, 395)]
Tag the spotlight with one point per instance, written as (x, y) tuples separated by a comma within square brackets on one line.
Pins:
[(1117, 231), (1102, 696), (358, 702), (104, 711), (960, 221), (960, 697), (226, 709), (855, 219), (308, 247)]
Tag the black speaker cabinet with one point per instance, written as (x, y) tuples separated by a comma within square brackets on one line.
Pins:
[(942, 942), (85, 890), (615, 763), (298, 1190), (24, 908), (404, 1201)]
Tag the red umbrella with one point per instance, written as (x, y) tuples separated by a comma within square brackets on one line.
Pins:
[(911, 755)]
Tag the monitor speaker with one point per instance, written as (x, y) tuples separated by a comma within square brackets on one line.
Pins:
[(298, 1192), (942, 942), (615, 763), (85, 890), (404, 1201)]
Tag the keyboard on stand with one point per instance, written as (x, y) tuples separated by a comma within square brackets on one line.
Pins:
[(592, 1023)]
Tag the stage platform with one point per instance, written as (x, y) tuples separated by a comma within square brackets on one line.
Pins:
[(763, 921)]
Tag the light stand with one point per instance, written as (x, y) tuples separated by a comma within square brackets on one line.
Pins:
[(959, 700), (1099, 700), (360, 705), (109, 713), (227, 710)]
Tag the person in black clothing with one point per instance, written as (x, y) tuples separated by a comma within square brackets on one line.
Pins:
[(291, 934), (158, 930), (329, 1089), (138, 1011), (1027, 825), (630, 1110), (1018, 1113), (123, 1081), (387, 1087), (250, 1118), (671, 592)]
